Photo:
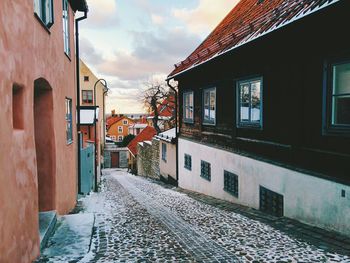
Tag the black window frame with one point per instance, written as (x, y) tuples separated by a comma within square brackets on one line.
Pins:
[(231, 183), (40, 12), (188, 162), (205, 170), (249, 124), (206, 121), (328, 127), (164, 152), (185, 119)]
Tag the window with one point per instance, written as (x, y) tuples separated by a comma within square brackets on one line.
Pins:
[(164, 152), (87, 96), (188, 162), (120, 129), (66, 38), (120, 138), (249, 103), (69, 124), (188, 106), (125, 122), (271, 202), (44, 11), (205, 170), (17, 107), (338, 115), (231, 183), (86, 78), (209, 106)]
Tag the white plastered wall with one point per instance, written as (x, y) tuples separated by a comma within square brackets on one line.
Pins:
[(306, 198)]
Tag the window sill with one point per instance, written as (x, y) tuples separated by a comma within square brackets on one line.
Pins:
[(209, 124), (69, 142), (337, 131), (68, 56), (188, 121), (231, 193), (187, 168), (42, 24), (249, 126), (205, 178)]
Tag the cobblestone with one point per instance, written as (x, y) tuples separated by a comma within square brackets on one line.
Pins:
[(137, 220)]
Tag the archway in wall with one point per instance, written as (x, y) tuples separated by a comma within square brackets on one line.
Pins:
[(44, 144)]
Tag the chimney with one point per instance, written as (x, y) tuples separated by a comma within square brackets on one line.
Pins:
[(113, 113)]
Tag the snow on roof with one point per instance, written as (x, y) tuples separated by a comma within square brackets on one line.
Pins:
[(87, 115), (146, 134), (247, 21), (138, 125), (167, 136)]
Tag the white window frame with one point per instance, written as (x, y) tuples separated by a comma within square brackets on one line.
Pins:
[(249, 123), (209, 121), (120, 129), (65, 19), (69, 120), (189, 107)]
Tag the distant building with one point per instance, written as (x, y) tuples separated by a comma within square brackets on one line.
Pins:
[(38, 138), (264, 107), (87, 100), (118, 127), (167, 156)]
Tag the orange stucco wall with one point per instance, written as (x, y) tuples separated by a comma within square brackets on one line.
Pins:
[(29, 52)]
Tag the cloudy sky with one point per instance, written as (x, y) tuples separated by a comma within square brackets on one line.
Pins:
[(129, 42)]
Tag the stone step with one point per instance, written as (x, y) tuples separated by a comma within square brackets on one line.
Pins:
[(47, 222)]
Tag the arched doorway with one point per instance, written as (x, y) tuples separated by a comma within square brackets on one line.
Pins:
[(44, 144)]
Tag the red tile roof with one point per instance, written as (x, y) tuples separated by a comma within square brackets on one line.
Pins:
[(146, 135), (248, 20), (166, 108)]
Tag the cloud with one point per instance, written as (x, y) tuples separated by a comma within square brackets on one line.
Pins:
[(153, 53), (89, 53), (157, 20), (102, 13), (205, 16)]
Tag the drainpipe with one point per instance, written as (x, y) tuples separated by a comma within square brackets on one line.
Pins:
[(95, 130), (77, 60), (176, 131)]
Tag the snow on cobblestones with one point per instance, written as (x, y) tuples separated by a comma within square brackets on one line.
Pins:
[(249, 239)]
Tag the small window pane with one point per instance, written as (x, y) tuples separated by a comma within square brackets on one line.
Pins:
[(205, 170), (341, 95), (188, 162), (255, 102), (209, 106), (244, 102), (188, 106)]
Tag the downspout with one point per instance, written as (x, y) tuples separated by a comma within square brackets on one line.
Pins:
[(176, 131), (77, 61)]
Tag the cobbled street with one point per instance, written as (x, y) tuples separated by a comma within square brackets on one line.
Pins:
[(138, 220)]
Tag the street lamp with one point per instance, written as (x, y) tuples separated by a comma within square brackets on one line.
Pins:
[(95, 142)]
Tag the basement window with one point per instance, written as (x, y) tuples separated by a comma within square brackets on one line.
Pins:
[(271, 202), (17, 107), (188, 162), (206, 170), (231, 183)]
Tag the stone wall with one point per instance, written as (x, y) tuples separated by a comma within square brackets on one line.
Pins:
[(148, 159)]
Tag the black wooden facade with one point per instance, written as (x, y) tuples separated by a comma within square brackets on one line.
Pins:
[(293, 62)]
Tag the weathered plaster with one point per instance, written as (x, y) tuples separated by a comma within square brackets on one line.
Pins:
[(29, 52), (306, 198)]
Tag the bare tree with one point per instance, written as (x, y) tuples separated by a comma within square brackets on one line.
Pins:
[(153, 98)]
